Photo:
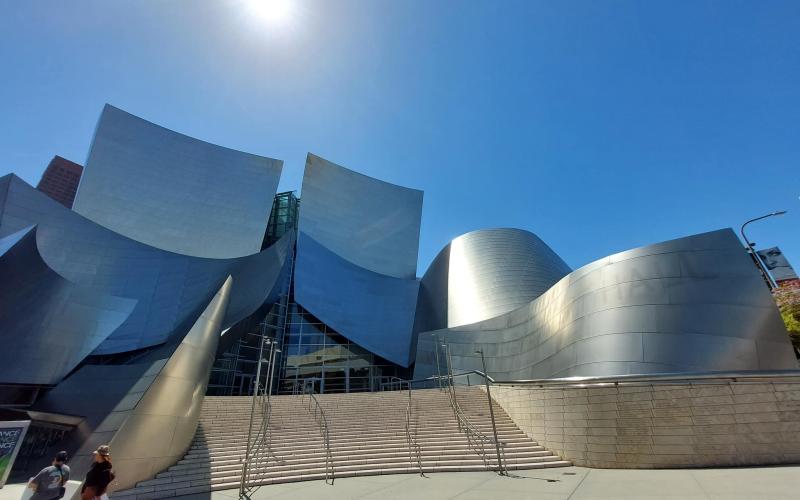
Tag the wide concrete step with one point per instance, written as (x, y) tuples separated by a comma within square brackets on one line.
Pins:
[(400, 454), (272, 470), (356, 463), (289, 435), (367, 434), (461, 440), (177, 489)]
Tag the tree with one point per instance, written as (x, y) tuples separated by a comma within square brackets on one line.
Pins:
[(788, 299)]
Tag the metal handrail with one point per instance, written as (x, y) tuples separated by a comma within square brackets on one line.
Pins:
[(743, 375), (413, 445), (319, 416), (685, 377), (475, 438)]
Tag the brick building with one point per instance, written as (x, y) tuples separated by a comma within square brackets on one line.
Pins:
[(60, 180)]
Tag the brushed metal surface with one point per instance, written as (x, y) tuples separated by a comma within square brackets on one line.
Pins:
[(146, 411), (373, 310), (370, 223), (174, 192), (170, 289), (48, 325), (160, 428), (487, 273), (686, 305)]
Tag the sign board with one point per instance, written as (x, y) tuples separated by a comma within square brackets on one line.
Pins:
[(11, 435), (776, 262)]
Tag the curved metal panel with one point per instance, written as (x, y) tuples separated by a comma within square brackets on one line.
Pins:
[(368, 222), (691, 304), (486, 273), (170, 289), (174, 192), (372, 310), (157, 433), (147, 411), (49, 325)]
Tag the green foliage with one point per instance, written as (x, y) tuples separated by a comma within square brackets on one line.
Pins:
[(788, 300)]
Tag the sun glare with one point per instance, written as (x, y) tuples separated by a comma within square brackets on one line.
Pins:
[(271, 11)]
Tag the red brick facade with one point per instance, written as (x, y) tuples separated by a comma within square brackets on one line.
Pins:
[(60, 180)]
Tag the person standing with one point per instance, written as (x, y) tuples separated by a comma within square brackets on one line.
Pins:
[(99, 476), (49, 483)]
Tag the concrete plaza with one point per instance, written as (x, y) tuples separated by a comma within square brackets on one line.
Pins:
[(568, 483)]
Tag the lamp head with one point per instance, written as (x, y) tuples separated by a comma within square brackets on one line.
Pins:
[(780, 212)]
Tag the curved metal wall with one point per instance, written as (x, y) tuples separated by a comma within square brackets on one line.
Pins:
[(372, 310), (174, 192), (691, 304), (170, 289), (486, 273), (49, 325), (371, 223), (146, 411), (159, 430)]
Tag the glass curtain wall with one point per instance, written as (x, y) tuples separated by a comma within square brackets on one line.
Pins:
[(282, 218), (313, 353)]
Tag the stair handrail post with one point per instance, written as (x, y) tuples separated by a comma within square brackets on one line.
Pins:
[(267, 405), (438, 366), (491, 414), (322, 422), (413, 446), (256, 384), (451, 385)]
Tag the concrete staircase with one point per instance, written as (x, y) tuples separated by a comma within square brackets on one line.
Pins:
[(367, 437)]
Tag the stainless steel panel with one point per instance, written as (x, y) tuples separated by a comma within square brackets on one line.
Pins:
[(693, 352), (149, 429), (373, 310), (173, 192), (170, 289), (692, 304), (368, 222), (485, 274), (48, 325)]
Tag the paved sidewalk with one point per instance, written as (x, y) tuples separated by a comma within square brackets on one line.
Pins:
[(566, 483)]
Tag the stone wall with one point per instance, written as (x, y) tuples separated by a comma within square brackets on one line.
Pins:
[(659, 425)]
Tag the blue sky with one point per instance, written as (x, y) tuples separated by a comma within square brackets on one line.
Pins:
[(598, 125)]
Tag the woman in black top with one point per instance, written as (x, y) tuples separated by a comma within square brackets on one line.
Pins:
[(99, 475)]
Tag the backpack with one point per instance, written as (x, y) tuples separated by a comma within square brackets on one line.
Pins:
[(62, 490)]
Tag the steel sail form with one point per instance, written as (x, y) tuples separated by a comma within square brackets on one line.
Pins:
[(175, 192), (357, 257), (691, 304)]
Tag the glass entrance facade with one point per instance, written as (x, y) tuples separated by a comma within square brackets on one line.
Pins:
[(313, 353)]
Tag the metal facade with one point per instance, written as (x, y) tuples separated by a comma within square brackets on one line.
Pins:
[(147, 411), (692, 304), (373, 310), (49, 324), (357, 257), (170, 289), (125, 298), (71, 288), (486, 273), (371, 223), (175, 192)]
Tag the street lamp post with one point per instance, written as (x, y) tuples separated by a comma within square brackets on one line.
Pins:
[(491, 414), (767, 277)]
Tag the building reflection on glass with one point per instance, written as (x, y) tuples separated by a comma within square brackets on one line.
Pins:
[(315, 354)]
